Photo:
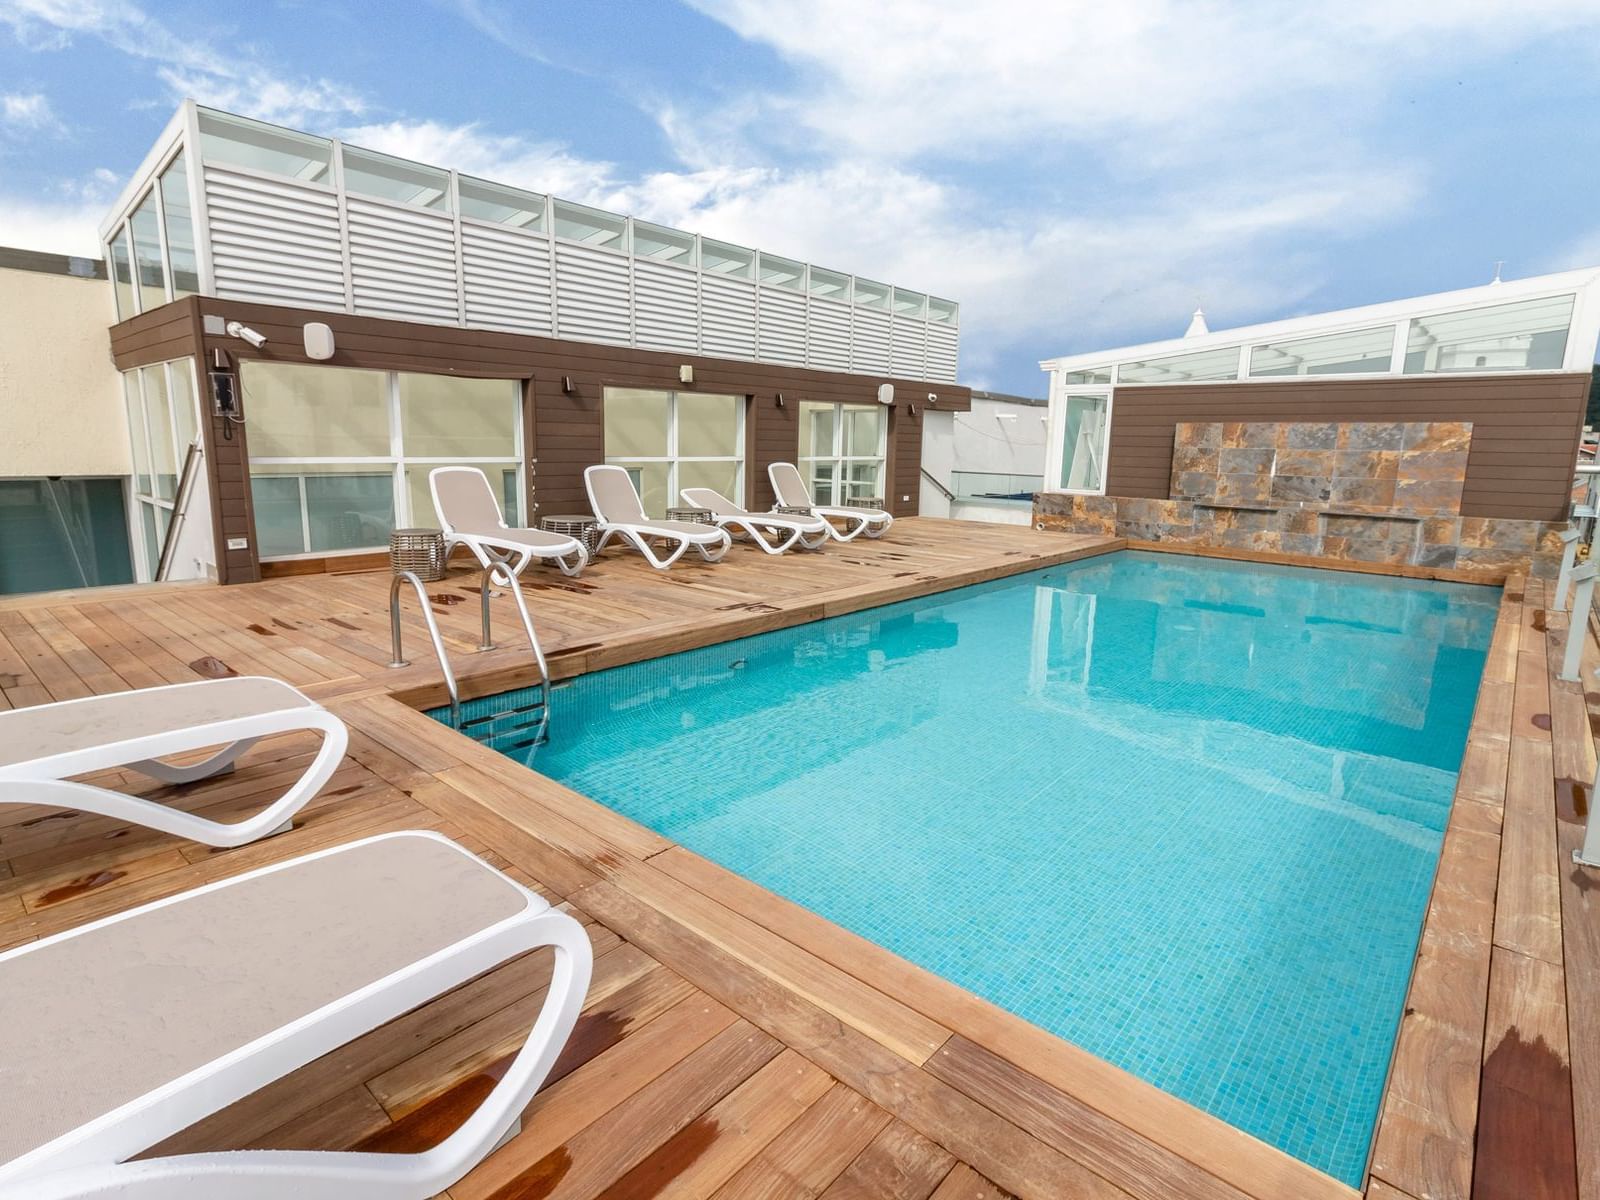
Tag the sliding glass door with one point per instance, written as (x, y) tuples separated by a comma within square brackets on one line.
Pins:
[(340, 457), (668, 441), (842, 449)]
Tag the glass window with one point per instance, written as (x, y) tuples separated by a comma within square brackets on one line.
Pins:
[(669, 441), (841, 450), (122, 276), (636, 423), (909, 304), (180, 229), (338, 457), (148, 270), (321, 507), (158, 418), (870, 294), (1183, 368), (663, 245), (722, 259), (442, 416), (1091, 376), (943, 312), (395, 179), (1083, 443), (138, 436), (708, 426), (781, 272), (1356, 350), (183, 404), (832, 284), (484, 201), (590, 225), (315, 412), (63, 533), (238, 142), (1527, 335)]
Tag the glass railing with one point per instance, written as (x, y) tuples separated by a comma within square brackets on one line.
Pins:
[(991, 487)]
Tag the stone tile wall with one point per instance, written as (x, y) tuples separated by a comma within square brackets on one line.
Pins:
[(1376, 492)]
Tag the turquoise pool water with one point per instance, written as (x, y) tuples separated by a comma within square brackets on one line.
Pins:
[(1182, 812)]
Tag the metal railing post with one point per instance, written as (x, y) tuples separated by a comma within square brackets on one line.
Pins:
[(1578, 622), (486, 642), (1588, 854), (1569, 559)]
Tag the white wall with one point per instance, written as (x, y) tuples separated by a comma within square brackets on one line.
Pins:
[(61, 409), (998, 436)]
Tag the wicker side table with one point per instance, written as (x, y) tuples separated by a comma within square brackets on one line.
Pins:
[(864, 502), (793, 510), (418, 550), (576, 525), (696, 516)]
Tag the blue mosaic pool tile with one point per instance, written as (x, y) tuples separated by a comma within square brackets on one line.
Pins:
[(1184, 813)]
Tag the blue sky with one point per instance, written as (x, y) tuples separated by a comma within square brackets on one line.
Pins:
[(1078, 175)]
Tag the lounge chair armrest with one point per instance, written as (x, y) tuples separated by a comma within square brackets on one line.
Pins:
[(354, 1175)]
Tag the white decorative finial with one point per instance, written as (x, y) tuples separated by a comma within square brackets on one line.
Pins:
[(1498, 263), (1197, 324)]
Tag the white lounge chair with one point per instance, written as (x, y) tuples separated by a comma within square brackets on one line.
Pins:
[(118, 1034), (41, 747), (620, 513), (470, 516), (763, 528), (792, 492)]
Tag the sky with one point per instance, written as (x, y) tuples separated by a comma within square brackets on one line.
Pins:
[(1078, 175)]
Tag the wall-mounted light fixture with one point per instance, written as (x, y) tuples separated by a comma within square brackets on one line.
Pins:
[(567, 386), (780, 399), (686, 373)]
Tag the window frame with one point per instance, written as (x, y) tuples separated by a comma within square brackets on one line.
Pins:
[(162, 508), (838, 460), (1055, 439), (396, 461), (672, 458)]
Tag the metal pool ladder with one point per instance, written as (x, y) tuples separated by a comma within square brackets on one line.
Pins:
[(530, 721)]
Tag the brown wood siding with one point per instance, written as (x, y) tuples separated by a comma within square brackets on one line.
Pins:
[(566, 430), (1525, 429), (904, 468)]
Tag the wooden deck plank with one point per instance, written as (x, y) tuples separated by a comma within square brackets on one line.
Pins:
[(812, 1152)]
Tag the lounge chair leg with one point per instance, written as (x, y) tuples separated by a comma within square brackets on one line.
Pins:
[(284, 828), (516, 1128)]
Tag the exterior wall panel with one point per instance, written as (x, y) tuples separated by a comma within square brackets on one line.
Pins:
[(507, 279), (1524, 439), (274, 241), (402, 262), (665, 307), (592, 295)]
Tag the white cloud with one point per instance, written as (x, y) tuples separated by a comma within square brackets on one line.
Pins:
[(212, 69), (502, 158), (28, 112), (60, 227)]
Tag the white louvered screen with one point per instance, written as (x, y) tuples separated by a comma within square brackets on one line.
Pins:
[(273, 241), (869, 348), (664, 310), (943, 341), (591, 294), (781, 329), (829, 345), (728, 316), (507, 279), (402, 262), (910, 355)]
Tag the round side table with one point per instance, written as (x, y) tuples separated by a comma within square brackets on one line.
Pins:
[(578, 525), (697, 516), (418, 550)]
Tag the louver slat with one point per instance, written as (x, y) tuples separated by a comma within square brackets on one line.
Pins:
[(665, 316), (273, 241), (591, 295), (402, 262), (782, 327)]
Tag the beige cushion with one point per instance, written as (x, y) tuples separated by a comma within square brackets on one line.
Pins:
[(97, 1019), (30, 734)]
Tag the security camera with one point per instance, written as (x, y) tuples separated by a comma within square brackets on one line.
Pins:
[(235, 329)]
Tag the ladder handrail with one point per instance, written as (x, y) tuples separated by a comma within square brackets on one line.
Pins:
[(948, 494), (527, 625), (433, 632)]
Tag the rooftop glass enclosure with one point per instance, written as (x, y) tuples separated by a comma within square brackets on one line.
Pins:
[(235, 208), (1544, 323)]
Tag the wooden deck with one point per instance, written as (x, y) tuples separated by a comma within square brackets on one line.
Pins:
[(736, 1045)]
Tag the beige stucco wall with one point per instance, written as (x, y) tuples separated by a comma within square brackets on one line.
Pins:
[(60, 398)]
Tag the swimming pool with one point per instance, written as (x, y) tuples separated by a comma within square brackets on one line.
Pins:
[(1182, 812)]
